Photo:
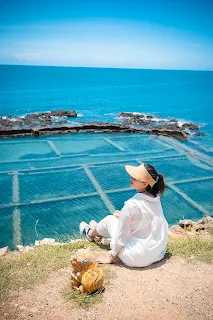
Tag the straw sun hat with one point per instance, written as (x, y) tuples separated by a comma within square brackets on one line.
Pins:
[(140, 173)]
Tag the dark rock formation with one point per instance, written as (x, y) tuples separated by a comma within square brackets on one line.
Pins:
[(172, 120), (35, 132), (37, 119), (190, 126), (158, 125), (199, 134), (14, 132), (89, 127), (46, 123), (62, 113), (141, 122), (176, 133)]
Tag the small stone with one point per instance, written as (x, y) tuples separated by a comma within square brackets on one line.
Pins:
[(47, 241), (28, 248), (198, 226), (202, 221), (176, 229), (56, 243), (20, 247), (75, 240), (186, 223), (209, 219), (3, 251), (199, 133)]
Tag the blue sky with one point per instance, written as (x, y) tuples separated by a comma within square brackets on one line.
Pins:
[(121, 33)]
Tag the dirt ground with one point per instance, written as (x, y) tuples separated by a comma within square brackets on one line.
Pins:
[(170, 289)]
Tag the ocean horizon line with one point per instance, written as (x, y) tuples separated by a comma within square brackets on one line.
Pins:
[(97, 67)]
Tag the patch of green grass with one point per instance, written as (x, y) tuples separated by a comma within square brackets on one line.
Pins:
[(192, 248), (82, 300), (67, 237), (21, 271), (88, 300), (24, 270)]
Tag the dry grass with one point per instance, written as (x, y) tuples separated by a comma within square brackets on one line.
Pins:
[(192, 248), (20, 271)]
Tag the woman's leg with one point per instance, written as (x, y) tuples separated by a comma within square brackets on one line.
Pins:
[(92, 233), (106, 227)]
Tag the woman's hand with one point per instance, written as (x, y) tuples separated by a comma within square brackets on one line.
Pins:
[(106, 259), (116, 214)]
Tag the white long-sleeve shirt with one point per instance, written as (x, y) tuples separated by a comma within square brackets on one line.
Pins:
[(142, 232)]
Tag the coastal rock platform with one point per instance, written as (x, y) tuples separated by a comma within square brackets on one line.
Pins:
[(157, 123), (56, 122)]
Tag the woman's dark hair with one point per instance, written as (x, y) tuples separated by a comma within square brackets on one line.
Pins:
[(159, 187)]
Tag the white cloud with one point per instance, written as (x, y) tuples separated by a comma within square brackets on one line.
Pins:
[(27, 56)]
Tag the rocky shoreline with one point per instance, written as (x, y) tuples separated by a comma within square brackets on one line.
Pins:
[(56, 122), (202, 227), (151, 122)]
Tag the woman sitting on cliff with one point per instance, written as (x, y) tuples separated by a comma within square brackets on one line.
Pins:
[(139, 232)]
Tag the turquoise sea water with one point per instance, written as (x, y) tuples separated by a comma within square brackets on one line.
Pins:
[(49, 184)]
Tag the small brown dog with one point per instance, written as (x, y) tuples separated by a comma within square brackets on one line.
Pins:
[(86, 276)]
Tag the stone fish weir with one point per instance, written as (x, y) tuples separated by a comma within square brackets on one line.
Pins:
[(55, 122)]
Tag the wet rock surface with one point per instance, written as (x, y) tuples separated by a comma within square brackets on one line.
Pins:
[(41, 119), (158, 125), (56, 122), (199, 134), (89, 127)]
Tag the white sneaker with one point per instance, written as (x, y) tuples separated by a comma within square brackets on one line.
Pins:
[(93, 224), (84, 229)]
